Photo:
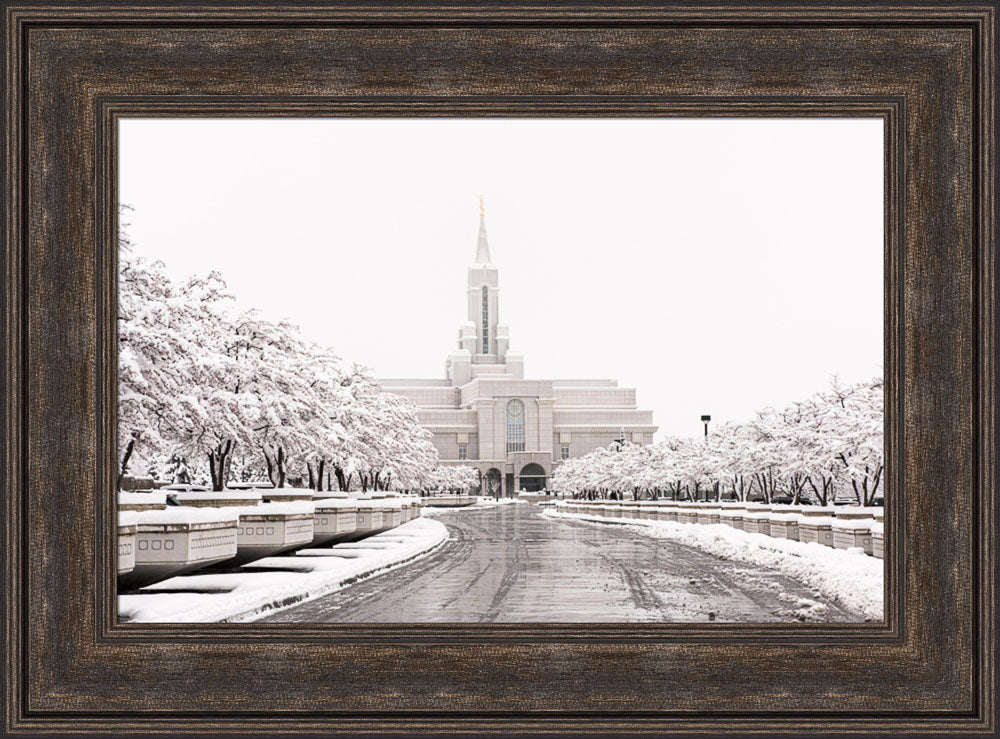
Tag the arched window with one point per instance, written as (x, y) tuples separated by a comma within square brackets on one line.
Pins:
[(486, 320), (515, 426)]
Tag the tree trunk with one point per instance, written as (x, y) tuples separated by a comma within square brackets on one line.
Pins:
[(271, 473), (125, 459), (211, 470), (218, 464), (338, 472), (319, 475), (226, 466), (275, 466)]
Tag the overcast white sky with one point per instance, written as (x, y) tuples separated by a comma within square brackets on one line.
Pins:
[(718, 266)]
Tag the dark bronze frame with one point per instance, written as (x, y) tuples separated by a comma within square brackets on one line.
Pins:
[(928, 71)]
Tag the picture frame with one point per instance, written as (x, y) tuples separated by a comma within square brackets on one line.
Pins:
[(72, 71)]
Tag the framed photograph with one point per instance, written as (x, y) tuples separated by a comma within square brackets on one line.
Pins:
[(500, 370), (264, 474)]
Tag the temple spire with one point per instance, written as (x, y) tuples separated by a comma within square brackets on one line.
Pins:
[(482, 245)]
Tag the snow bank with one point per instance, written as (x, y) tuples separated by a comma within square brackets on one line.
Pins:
[(286, 508), (128, 518), (852, 524), (344, 502), (221, 495), (851, 578), (817, 521), (859, 511), (379, 504), (126, 497), (246, 596), (187, 515)]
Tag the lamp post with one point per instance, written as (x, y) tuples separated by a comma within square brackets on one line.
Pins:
[(705, 420)]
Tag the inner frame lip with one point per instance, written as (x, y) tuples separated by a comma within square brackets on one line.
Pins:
[(890, 109)]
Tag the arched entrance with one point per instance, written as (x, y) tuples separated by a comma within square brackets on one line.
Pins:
[(492, 482), (532, 478)]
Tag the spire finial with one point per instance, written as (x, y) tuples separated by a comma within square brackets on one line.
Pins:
[(482, 245)]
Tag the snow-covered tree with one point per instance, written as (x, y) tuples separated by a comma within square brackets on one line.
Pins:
[(454, 479), (202, 381), (159, 369), (829, 442)]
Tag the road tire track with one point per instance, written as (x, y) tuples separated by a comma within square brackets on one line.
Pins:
[(510, 563)]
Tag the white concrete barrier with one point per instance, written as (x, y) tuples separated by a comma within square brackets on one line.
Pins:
[(270, 528), (852, 533), (878, 539), (667, 513), (127, 526), (732, 517), (817, 529), (708, 513), (757, 518), (336, 518), (287, 495), (784, 525), (447, 501), (842, 526), (217, 498), (369, 516), (687, 515), (151, 500), (391, 508), (265, 528), (179, 539), (630, 511)]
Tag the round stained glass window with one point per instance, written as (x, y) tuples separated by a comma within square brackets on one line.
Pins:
[(515, 409)]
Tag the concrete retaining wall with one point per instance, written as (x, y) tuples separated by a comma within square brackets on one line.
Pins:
[(840, 527)]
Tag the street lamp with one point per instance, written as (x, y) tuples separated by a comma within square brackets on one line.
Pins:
[(619, 443), (705, 419)]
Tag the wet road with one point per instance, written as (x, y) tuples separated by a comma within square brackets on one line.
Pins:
[(510, 563)]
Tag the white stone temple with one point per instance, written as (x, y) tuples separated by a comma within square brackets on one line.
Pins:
[(485, 414)]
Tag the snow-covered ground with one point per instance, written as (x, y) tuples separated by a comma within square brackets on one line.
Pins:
[(480, 504), (848, 577), (308, 574)]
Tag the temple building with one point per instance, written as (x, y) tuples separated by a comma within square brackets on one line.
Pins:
[(514, 430)]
